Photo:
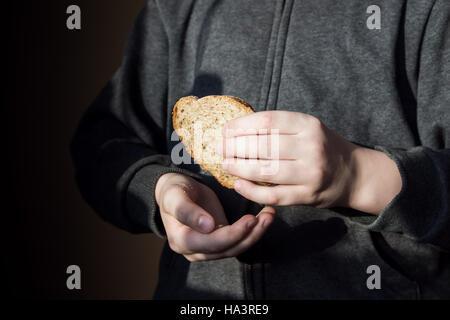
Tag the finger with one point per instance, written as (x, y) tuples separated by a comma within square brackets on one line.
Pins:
[(179, 205), (274, 146), (220, 239), (281, 195), (265, 219), (286, 122), (271, 171)]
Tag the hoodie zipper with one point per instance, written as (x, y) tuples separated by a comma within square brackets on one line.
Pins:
[(275, 55), (254, 286)]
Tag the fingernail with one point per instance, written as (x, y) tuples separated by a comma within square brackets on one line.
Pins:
[(251, 224), (237, 185), (204, 223)]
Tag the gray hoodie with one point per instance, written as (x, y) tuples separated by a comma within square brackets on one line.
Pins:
[(382, 83)]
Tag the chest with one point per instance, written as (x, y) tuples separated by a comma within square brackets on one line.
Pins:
[(339, 61)]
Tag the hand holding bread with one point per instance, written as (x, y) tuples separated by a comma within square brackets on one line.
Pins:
[(283, 157)]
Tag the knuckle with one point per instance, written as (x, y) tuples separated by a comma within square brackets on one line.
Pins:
[(171, 193), (172, 190), (172, 244), (315, 123), (273, 198), (178, 242)]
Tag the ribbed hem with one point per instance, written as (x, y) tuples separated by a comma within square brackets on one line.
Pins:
[(141, 203), (418, 210)]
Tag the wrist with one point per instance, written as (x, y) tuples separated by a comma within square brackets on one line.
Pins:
[(376, 180)]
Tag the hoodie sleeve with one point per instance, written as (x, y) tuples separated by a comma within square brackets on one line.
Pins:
[(119, 149), (421, 210)]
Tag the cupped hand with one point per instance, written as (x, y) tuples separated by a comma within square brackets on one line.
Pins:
[(195, 222)]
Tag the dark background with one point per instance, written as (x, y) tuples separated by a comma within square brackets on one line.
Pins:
[(52, 76)]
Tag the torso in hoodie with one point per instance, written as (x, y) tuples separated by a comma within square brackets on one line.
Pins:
[(320, 58)]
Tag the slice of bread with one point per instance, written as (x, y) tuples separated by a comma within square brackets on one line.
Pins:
[(199, 122)]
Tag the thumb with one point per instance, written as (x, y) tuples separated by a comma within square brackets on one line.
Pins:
[(187, 212)]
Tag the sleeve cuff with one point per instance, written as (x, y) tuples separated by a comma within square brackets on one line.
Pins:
[(418, 211), (141, 205)]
